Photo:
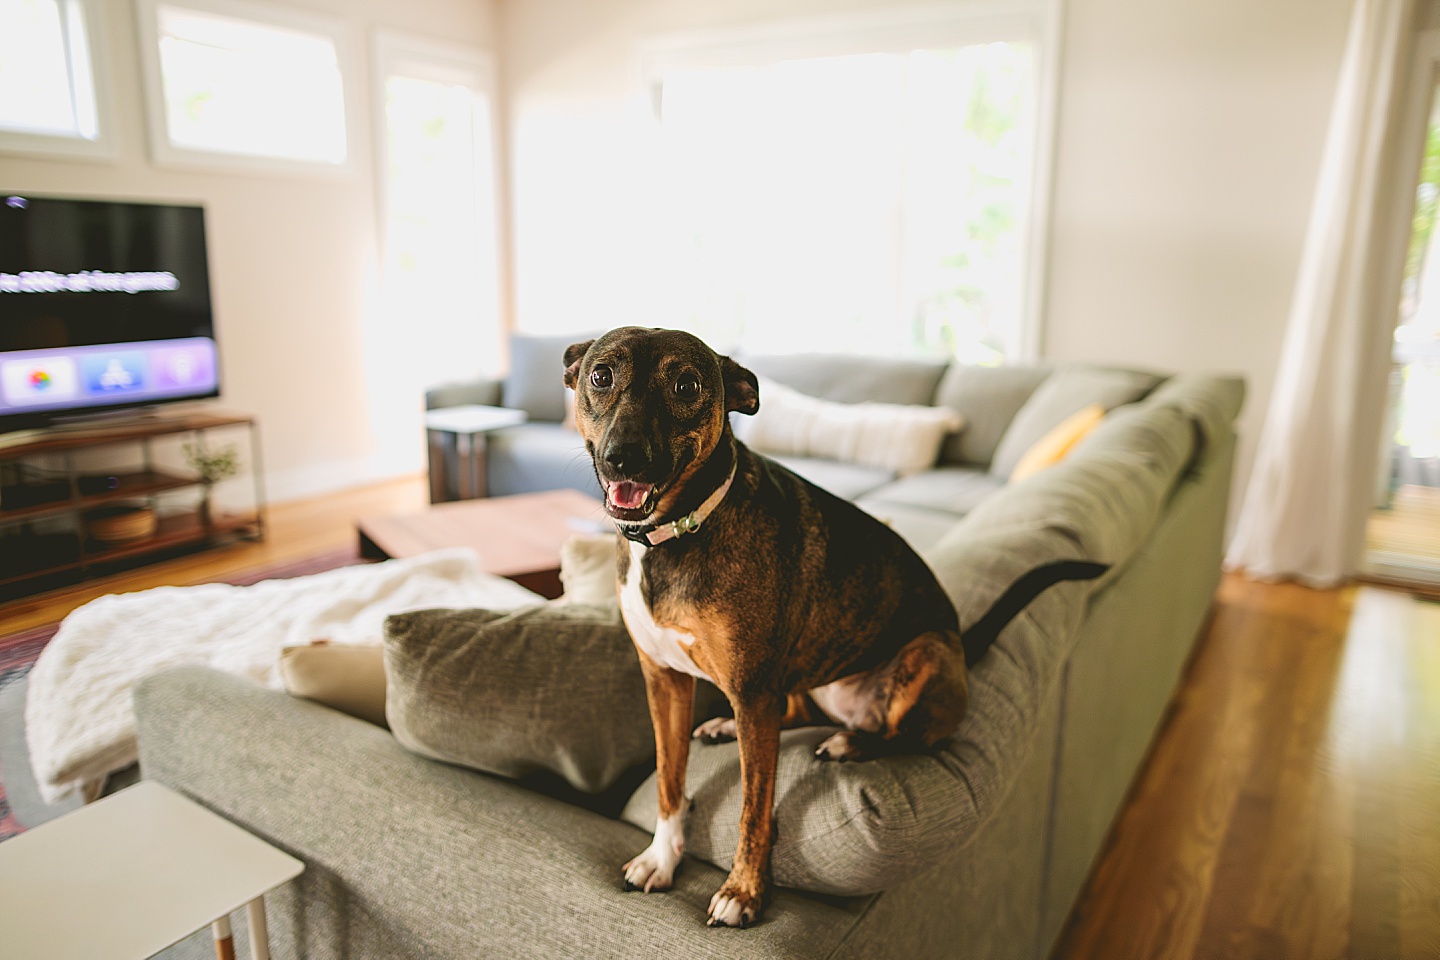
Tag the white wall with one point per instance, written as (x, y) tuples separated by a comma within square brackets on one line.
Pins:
[(1188, 145), (292, 259)]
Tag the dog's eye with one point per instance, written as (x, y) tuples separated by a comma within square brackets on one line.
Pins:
[(601, 377), (688, 386)]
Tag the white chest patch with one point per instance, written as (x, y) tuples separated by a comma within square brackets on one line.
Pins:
[(666, 646)]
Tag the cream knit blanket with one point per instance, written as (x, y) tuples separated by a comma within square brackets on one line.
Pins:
[(79, 722)]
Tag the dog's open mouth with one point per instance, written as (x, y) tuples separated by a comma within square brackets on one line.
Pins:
[(629, 500)]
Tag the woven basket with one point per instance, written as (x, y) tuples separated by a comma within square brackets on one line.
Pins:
[(121, 523)]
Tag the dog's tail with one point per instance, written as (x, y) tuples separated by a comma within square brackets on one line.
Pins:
[(978, 638)]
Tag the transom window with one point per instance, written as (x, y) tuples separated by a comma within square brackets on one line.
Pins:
[(234, 80), (47, 87)]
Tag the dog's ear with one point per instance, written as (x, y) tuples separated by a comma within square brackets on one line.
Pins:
[(742, 389), (573, 355)]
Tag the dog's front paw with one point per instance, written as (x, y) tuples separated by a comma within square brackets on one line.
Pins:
[(651, 870), (734, 905), (654, 868), (718, 730)]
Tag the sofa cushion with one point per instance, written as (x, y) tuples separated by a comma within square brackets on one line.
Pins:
[(501, 692), (847, 378), (855, 828), (537, 456), (955, 490), (846, 480), (1110, 490), (483, 391), (920, 527), (987, 397), (1062, 395), (901, 438), (536, 381)]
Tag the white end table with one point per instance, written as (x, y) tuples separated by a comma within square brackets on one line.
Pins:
[(129, 875), (471, 421)]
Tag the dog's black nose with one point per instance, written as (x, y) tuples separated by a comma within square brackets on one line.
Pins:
[(628, 458)]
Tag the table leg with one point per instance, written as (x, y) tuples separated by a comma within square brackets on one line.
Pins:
[(435, 461), (477, 464), (224, 943), (470, 467), (259, 931)]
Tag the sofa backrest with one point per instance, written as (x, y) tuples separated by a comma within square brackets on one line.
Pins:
[(536, 381), (846, 378), (1064, 393), (1108, 492), (988, 398)]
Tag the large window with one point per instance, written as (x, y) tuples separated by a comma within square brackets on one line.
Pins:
[(236, 83), (870, 200), (48, 97), (440, 273), (438, 311)]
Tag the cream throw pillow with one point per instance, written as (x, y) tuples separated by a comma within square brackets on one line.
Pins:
[(1062, 438), (587, 569), (896, 437), (349, 677)]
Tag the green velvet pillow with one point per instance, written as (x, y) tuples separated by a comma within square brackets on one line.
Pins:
[(553, 689)]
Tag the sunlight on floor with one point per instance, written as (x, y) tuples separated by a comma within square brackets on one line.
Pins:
[(1402, 543)]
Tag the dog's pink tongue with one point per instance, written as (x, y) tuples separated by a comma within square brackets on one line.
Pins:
[(627, 495)]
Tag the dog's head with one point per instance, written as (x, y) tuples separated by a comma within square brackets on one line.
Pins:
[(652, 407)]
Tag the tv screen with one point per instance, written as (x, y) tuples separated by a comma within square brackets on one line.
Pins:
[(102, 305)]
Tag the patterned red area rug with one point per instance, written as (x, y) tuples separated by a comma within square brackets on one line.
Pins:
[(19, 651)]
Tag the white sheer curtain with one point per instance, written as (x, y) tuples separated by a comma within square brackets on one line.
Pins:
[(1304, 510)]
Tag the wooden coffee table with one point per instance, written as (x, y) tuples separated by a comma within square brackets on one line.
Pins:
[(518, 537)]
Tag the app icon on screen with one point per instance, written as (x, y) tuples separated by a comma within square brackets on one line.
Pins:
[(187, 366), (112, 373), (39, 380)]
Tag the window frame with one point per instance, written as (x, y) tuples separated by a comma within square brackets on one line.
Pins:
[(164, 153), (929, 25), (441, 62), (61, 146)]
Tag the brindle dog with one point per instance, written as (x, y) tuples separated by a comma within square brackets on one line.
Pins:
[(799, 606)]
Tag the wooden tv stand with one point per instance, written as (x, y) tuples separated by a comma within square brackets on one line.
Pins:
[(51, 482)]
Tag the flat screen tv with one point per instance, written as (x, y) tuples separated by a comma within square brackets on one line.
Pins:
[(103, 305)]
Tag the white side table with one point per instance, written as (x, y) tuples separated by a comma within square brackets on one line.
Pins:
[(471, 422), (129, 875)]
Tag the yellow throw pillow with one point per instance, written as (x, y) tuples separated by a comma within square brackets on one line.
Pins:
[(1052, 448)]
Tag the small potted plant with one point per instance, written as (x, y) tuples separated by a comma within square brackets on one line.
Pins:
[(210, 466)]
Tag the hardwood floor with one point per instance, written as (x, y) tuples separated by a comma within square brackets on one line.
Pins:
[(1291, 805), (296, 530), (1402, 542)]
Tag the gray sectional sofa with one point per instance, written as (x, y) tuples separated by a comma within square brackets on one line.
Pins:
[(977, 852), (545, 453)]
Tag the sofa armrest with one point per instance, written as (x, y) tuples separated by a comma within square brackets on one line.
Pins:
[(485, 391), (406, 856), (1211, 402)]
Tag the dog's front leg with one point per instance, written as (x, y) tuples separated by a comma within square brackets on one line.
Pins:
[(672, 703), (738, 901)]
